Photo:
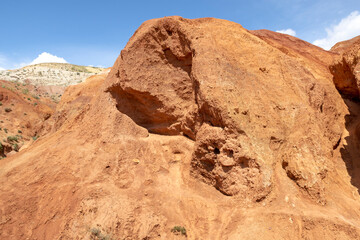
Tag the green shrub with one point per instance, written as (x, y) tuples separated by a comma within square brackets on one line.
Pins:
[(0, 103), (25, 91), (179, 229), (19, 131), (12, 139), (15, 147), (35, 137)]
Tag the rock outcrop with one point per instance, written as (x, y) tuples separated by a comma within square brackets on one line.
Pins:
[(200, 78), (346, 67), (229, 133)]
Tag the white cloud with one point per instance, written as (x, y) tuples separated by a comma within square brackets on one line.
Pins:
[(2, 69), (347, 28), (288, 31), (47, 58)]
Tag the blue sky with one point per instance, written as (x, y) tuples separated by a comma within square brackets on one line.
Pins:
[(94, 32)]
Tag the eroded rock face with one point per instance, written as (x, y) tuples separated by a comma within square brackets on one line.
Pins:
[(346, 67), (241, 99), (229, 163), (161, 98)]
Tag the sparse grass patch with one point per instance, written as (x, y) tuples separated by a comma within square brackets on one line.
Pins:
[(15, 147), (179, 229), (12, 139), (97, 235), (36, 97)]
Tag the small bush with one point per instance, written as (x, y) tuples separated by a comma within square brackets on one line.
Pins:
[(97, 235), (95, 231), (25, 91), (35, 137), (15, 147), (8, 110), (179, 229), (0, 103), (12, 139), (19, 131)]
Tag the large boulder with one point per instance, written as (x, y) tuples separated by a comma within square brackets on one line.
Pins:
[(240, 98)]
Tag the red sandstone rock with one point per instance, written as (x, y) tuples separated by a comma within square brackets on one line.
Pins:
[(346, 67)]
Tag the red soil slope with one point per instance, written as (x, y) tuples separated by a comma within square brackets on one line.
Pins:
[(200, 124)]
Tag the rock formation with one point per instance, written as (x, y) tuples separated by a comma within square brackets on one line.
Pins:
[(346, 67), (200, 125)]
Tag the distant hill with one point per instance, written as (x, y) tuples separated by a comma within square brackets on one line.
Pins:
[(58, 74)]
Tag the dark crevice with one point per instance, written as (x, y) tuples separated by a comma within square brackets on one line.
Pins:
[(350, 152), (344, 79), (346, 83), (337, 143), (143, 108), (216, 151)]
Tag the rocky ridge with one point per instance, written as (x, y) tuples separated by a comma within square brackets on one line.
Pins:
[(58, 74)]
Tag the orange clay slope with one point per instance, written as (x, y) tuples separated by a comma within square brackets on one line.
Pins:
[(201, 124)]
